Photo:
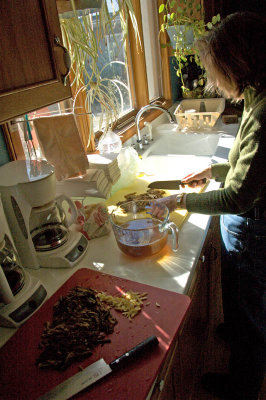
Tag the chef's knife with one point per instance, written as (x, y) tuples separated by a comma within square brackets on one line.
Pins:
[(96, 371), (171, 185)]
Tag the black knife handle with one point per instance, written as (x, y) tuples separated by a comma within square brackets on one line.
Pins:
[(142, 347)]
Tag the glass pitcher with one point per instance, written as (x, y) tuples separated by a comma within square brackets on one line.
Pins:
[(13, 273), (138, 232), (49, 224)]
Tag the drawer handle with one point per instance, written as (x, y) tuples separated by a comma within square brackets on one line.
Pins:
[(202, 259), (161, 385), (66, 57)]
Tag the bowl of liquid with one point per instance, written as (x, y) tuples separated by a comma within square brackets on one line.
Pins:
[(139, 233)]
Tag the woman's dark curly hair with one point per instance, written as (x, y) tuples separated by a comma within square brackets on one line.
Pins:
[(236, 48)]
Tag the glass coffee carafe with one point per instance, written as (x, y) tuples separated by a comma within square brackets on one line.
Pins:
[(49, 224), (10, 265)]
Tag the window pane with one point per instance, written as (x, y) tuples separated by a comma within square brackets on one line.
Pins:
[(114, 77), (106, 77), (150, 26)]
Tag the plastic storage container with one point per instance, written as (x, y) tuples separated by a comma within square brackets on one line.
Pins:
[(110, 143), (199, 113)]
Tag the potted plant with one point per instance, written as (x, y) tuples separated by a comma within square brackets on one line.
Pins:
[(184, 22)]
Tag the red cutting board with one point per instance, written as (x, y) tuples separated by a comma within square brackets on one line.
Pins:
[(20, 379)]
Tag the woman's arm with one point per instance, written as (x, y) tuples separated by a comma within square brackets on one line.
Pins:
[(193, 180), (245, 183)]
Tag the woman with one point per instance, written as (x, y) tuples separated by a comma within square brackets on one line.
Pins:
[(234, 57)]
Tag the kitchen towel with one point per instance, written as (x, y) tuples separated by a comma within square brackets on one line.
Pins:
[(61, 145), (93, 220)]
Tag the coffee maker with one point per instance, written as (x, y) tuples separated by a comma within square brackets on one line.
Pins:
[(20, 293), (38, 222)]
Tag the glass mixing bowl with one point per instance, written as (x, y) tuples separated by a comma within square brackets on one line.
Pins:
[(138, 232)]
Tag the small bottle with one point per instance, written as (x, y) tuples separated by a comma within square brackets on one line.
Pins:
[(202, 107), (110, 143)]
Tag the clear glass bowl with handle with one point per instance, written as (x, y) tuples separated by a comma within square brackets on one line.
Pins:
[(138, 232)]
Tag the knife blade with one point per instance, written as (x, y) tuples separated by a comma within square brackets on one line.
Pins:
[(165, 184), (96, 371), (171, 185)]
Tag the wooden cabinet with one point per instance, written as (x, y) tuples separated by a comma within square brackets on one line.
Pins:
[(175, 382), (33, 63)]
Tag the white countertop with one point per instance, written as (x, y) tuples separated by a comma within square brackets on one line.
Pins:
[(166, 270)]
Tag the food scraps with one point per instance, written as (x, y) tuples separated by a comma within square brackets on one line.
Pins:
[(129, 303), (80, 323), (142, 198)]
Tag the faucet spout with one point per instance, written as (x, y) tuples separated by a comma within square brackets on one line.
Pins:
[(142, 111)]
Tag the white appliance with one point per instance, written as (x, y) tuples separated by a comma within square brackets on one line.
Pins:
[(20, 293), (38, 223)]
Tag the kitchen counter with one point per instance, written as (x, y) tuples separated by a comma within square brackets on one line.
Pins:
[(165, 270)]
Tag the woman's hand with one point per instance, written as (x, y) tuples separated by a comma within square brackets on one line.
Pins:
[(197, 178), (169, 201), (193, 180)]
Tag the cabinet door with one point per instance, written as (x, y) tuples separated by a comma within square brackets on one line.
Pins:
[(164, 388), (32, 64)]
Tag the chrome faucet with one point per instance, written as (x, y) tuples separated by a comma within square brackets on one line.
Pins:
[(143, 110)]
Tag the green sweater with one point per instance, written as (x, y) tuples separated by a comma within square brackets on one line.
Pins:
[(244, 175)]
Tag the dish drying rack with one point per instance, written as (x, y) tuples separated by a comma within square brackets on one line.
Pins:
[(199, 113)]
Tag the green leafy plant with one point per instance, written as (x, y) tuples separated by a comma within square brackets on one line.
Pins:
[(184, 22), (85, 34)]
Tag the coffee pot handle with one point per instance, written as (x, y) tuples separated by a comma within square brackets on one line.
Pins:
[(73, 209), (175, 233), (6, 292)]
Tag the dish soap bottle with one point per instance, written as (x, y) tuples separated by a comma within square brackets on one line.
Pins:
[(110, 143)]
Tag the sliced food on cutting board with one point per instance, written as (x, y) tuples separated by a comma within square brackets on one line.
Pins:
[(149, 195), (81, 321)]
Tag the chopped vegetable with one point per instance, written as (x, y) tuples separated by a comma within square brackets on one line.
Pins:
[(80, 323), (130, 303)]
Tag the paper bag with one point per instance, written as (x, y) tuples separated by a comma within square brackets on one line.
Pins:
[(61, 145)]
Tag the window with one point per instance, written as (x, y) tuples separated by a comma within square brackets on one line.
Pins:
[(101, 70), (152, 48), (136, 78)]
